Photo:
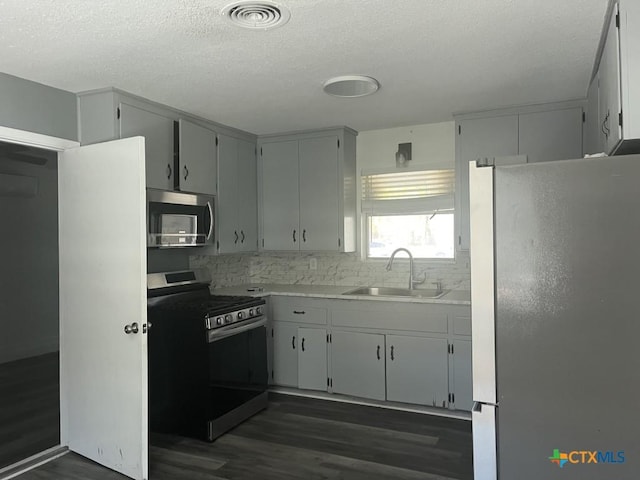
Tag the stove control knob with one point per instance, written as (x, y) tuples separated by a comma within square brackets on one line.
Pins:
[(240, 315), (251, 312), (219, 321), (227, 319), (258, 310)]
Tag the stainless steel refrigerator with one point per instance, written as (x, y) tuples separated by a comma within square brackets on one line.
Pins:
[(555, 291)]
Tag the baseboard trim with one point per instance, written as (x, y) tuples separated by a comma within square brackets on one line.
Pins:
[(32, 462), (334, 397)]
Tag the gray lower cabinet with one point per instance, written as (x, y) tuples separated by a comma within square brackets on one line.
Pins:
[(312, 358), (417, 370), (285, 354), (358, 364), (462, 395)]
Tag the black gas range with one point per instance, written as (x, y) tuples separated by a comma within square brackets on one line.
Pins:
[(207, 356)]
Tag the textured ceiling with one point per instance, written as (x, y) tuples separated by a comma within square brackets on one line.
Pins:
[(432, 57)]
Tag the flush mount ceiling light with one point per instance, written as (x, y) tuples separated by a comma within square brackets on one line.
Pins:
[(260, 15), (350, 86)]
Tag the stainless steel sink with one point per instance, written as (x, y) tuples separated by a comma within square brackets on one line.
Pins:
[(396, 292)]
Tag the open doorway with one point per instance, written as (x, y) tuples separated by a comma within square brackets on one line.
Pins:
[(29, 319)]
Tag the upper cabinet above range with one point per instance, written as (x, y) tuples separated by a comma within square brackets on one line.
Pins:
[(613, 106), (307, 191), (180, 150)]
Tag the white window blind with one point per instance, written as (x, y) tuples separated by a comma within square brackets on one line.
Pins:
[(418, 191)]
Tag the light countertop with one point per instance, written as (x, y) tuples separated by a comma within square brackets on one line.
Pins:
[(453, 297)]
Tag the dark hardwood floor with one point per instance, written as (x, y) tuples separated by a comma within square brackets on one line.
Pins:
[(29, 407), (303, 438)]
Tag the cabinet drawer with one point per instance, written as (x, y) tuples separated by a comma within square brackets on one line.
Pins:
[(299, 310), (391, 316), (462, 325)]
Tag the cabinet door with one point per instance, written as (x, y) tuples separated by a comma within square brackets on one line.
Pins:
[(609, 73), (280, 200), (285, 354), (357, 364), (479, 138), (319, 193), (228, 194), (198, 158), (247, 197), (593, 136), (551, 135), (158, 134), (462, 379), (417, 370), (312, 358)]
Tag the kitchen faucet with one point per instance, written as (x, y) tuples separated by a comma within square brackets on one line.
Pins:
[(412, 281)]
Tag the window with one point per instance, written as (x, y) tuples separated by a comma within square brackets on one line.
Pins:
[(411, 209)]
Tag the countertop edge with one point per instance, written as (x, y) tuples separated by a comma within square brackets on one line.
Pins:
[(333, 292)]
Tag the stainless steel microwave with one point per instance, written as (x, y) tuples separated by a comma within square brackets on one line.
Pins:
[(177, 219)]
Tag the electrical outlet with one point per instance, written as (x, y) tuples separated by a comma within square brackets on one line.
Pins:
[(313, 264)]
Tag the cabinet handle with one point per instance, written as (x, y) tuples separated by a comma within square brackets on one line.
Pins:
[(294, 236), (242, 234), (392, 357), (169, 171), (236, 234), (304, 235), (293, 342), (299, 312), (186, 172), (378, 352), (303, 344)]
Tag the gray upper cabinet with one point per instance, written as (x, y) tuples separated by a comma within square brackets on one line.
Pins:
[(318, 177), (609, 94), (517, 135), (280, 198), (197, 155), (479, 138), (417, 370), (158, 132), (307, 191), (237, 195), (613, 110), (550, 135)]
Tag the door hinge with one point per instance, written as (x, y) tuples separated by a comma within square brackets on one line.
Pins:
[(118, 112), (618, 20), (620, 118), (459, 129), (584, 117), (216, 141)]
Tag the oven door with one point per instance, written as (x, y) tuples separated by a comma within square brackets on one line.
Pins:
[(237, 374)]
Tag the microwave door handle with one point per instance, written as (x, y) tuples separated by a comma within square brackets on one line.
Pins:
[(210, 208)]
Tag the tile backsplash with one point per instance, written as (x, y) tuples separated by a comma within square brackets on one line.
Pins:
[(331, 269)]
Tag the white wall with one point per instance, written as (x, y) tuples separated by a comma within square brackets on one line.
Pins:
[(29, 265), (432, 144)]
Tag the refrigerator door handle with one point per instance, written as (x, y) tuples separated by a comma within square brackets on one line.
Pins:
[(485, 461)]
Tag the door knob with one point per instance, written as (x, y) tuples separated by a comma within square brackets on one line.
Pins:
[(133, 328)]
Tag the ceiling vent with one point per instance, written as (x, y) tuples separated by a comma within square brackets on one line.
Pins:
[(259, 15)]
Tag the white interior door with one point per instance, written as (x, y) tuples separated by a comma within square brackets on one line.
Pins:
[(103, 370)]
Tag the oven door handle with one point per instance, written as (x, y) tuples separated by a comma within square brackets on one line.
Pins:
[(224, 332)]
